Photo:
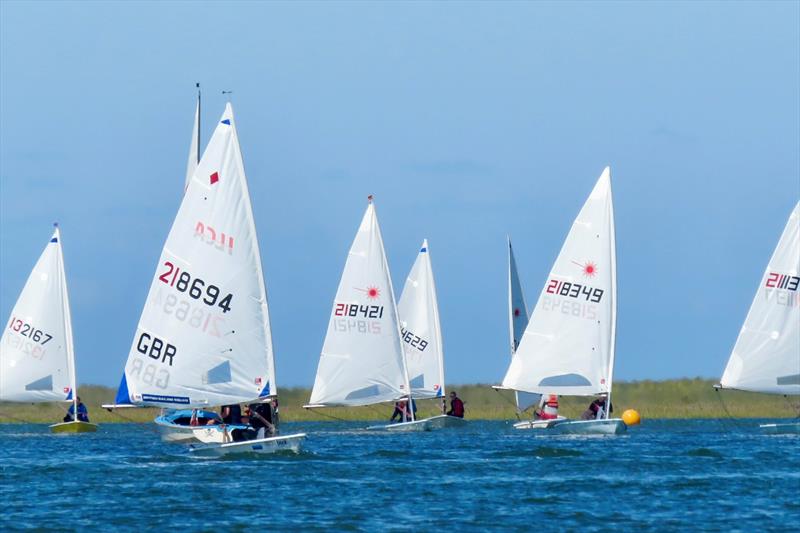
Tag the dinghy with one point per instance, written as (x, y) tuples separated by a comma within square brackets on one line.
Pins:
[(362, 360), (37, 358), (421, 333), (766, 356), (568, 345), (204, 336)]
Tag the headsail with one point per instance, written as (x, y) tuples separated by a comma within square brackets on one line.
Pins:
[(420, 329), (766, 357), (568, 346), (194, 147), (36, 354), (362, 359), (204, 336), (517, 322)]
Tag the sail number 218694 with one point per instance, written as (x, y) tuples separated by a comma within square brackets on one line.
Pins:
[(195, 287)]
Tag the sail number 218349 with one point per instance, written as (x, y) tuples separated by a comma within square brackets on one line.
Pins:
[(196, 288)]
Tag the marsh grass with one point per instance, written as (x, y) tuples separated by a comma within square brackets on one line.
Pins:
[(683, 398)]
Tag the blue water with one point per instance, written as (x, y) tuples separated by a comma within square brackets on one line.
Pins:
[(662, 475)]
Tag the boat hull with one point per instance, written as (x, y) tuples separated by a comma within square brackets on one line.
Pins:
[(265, 446), (426, 424), (781, 429), (610, 426), (172, 431), (539, 424), (73, 427)]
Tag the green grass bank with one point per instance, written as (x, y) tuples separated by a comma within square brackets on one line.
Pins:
[(683, 398)]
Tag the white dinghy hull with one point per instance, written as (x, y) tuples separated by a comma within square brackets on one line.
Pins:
[(268, 445), (426, 424), (539, 424), (611, 426), (781, 429)]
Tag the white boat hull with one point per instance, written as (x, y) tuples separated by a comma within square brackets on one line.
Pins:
[(538, 424), (268, 445), (610, 426), (175, 433), (779, 429), (426, 424)]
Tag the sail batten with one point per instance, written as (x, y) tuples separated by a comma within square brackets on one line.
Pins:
[(568, 344), (362, 360), (204, 336), (766, 356)]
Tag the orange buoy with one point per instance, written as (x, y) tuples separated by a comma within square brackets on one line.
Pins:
[(631, 417)]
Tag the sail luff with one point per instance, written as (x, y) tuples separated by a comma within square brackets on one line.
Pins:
[(613, 265), (70, 347), (436, 322), (194, 145), (269, 347)]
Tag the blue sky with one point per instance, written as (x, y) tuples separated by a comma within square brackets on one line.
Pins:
[(467, 121)]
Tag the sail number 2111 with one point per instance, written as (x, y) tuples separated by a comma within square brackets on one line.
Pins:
[(184, 282)]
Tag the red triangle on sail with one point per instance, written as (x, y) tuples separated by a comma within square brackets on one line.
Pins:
[(214, 178)]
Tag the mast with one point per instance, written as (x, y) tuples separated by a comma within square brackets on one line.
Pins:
[(613, 245), (67, 324), (198, 121), (437, 325), (399, 335)]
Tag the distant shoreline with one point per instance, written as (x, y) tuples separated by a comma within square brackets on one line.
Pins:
[(668, 399)]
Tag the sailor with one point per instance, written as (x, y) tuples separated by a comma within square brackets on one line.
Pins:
[(548, 407), (456, 406), (261, 419), (400, 412), (597, 409), (83, 413), (231, 414)]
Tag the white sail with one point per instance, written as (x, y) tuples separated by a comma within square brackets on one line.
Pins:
[(517, 322), (36, 353), (420, 329), (766, 357), (362, 359), (194, 147), (568, 346), (204, 335)]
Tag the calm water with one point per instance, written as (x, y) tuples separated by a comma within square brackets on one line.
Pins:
[(699, 475)]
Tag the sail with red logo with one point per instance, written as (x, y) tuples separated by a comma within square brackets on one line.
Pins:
[(766, 357), (362, 359), (568, 344)]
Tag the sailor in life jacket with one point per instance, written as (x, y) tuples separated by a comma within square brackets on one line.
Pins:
[(548, 407)]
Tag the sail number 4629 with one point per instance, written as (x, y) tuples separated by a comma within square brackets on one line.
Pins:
[(195, 287)]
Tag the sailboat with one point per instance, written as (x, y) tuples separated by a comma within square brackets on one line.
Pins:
[(37, 357), (517, 322), (362, 360), (766, 356), (568, 345), (421, 334), (204, 336)]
